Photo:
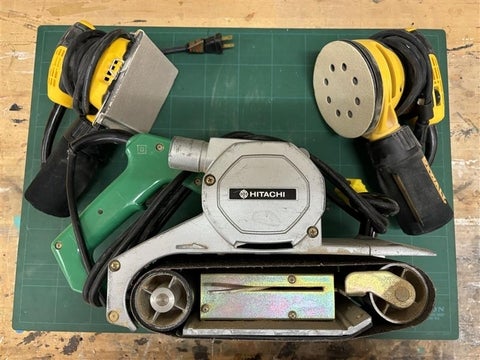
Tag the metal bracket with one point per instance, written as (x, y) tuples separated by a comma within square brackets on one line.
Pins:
[(267, 296), (393, 289)]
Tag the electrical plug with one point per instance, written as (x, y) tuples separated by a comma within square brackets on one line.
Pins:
[(213, 44)]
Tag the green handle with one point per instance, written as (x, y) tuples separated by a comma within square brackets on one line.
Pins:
[(147, 170)]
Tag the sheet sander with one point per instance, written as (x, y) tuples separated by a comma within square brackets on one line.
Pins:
[(388, 90)]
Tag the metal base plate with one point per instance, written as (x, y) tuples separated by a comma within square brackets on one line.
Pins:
[(350, 320), (140, 90), (347, 89), (248, 296)]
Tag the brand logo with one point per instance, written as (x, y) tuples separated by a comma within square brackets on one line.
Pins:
[(243, 194), (263, 194)]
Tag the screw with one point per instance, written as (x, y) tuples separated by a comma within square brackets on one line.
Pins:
[(114, 265), (113, 316), (292, 315), (209, 179), (197, 182), (312, 231), (292, 279), (160, 147), (58, 245), (205, 308)]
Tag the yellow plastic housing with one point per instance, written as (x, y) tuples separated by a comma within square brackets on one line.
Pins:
[(87, 24), (438, 94), (393, 81), (106, 72), (54, 91)]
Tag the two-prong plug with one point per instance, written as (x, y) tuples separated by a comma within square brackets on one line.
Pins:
[(213, 44)]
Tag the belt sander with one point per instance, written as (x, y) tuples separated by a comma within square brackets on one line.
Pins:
[(253, 263)]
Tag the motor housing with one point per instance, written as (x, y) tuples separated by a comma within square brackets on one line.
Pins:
[(255, 192)]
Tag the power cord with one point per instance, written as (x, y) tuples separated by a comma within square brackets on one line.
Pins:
[(161, 208), (370, 209), (92, 139), (211, 45), (417, 100), (81, 60)]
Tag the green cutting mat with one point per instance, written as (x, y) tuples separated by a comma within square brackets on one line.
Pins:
[(263, 85)]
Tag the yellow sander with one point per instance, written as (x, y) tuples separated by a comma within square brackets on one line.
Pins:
[(388, 90)]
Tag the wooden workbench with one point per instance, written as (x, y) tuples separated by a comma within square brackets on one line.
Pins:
[(18, 24)]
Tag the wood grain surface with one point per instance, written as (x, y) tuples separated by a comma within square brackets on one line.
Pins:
[(460, 19)]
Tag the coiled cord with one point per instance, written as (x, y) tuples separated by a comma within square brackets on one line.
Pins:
[(371, 210), (417, 100)]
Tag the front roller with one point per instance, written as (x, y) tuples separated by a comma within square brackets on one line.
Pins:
[(161, 300)]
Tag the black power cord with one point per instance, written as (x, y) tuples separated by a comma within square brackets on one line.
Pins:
[(161, 208), (210, 45), (417, 101), (51, 127), (80, 62), (92, 139), (82, 48), (370, 209)]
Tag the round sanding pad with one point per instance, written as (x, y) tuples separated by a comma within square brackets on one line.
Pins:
[(347, 88)]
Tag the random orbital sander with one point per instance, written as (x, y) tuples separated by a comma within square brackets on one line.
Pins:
[(388, 90)]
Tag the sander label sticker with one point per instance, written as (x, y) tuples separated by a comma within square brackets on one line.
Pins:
[(262, 194)]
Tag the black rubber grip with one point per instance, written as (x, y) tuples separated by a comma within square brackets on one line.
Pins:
[(47, 190), (405, 175)]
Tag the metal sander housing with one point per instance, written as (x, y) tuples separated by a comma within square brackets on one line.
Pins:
[(256, 192)]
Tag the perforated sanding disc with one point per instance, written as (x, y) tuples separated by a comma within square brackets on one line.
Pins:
[(347, 88)]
